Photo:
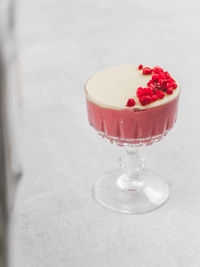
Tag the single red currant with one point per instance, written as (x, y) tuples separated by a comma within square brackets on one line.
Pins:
[(147, 70), (160, 94), (161, 76), (130, 102), (139, 92), (155, 78), (150, 83), (174, 85), (169, 91), (157, 70), (166, 73), (163, 84), (154, 98), (145, 100), (140, 67)]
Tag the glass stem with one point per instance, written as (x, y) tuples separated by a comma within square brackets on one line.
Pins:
[(131, 164)]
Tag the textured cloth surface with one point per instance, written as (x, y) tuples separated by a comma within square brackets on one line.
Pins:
[(57, 222)]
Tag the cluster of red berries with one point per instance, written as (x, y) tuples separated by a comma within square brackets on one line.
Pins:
[(160, 84)]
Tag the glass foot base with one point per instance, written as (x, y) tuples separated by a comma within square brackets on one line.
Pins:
[(151, 193)]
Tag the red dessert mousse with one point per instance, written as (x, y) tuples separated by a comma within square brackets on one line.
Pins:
[(132, 104)]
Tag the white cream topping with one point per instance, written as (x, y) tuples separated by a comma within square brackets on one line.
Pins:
[(114, 86)]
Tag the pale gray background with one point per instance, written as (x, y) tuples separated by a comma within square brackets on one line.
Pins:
[(57, 221)]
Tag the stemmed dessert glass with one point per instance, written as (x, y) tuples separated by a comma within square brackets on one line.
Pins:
[(131, 188)]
